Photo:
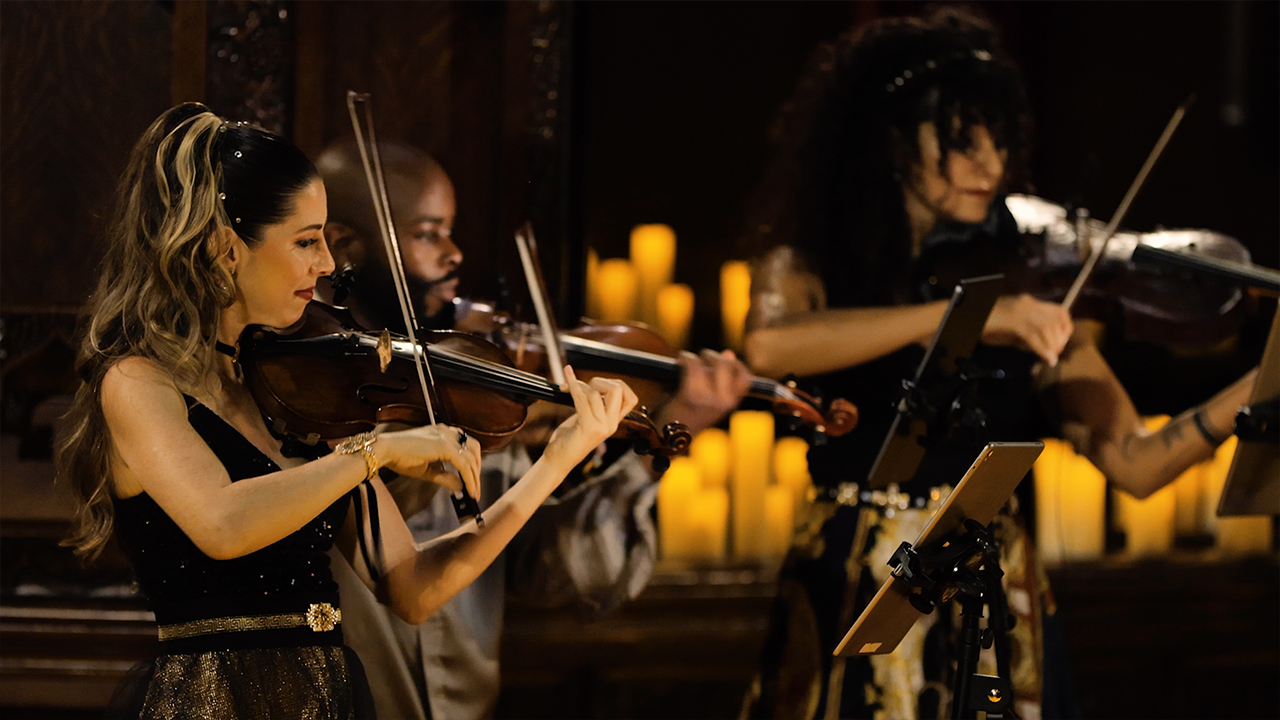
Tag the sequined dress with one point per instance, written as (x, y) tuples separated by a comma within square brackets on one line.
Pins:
[(214, 667)]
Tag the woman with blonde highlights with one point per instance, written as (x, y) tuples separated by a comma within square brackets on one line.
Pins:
[(219, 226)]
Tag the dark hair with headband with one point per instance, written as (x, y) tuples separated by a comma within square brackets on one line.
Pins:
[(848, 136)]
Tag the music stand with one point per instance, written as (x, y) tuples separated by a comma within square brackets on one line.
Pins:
[(944, 562), (1253, 483), (945, 367)]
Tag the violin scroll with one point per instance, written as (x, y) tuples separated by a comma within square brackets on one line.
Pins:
[(842, 417), (663, 444)]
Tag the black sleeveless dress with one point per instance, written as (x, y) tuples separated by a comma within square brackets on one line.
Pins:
[(252, 637)]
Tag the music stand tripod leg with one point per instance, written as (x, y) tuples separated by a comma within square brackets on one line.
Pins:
[(992, 694)]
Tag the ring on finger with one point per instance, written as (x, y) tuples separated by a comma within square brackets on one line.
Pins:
[(462, 439)]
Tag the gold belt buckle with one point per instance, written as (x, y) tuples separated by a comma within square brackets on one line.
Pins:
[(323, 617)]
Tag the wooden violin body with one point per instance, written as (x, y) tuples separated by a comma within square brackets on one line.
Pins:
[(1164, 307), (325, 378)]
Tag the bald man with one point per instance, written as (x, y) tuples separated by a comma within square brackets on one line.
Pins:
[(594, 545)]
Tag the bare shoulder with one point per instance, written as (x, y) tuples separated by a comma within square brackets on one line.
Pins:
[(138, 386), (782, 285)]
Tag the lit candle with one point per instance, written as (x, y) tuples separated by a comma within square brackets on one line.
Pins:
[(1235, 535), (676, 492), (1189, 490), (1148, 523), (710, 449), (653, 253), (1213, 478), (593, 284), (616, 292), (1071, 498), (708, 523), (779, 520), (675, 313), (735, 300), (751, 436), (791, 469)]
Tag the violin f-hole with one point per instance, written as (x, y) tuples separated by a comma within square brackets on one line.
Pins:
[(363, 391)]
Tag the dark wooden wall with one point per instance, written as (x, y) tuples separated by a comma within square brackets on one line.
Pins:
[(81, 81), (482, 86)]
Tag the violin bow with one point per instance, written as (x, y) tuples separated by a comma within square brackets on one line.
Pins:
[(463, 503), (527, 246), (1097, 251)]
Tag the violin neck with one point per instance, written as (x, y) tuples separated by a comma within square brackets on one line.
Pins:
[(460, 366), (602, 357)]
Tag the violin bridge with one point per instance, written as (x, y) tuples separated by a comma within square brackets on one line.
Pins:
[(384, 349)]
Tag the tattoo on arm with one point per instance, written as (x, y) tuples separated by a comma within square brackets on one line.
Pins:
[(1172, 431), (1124, 447)]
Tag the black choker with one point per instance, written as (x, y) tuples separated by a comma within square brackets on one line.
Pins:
[(230, 351)]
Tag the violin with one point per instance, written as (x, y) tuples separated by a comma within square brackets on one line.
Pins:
[(1162, 305), (326, 378), (646, 362), (1089, 267)]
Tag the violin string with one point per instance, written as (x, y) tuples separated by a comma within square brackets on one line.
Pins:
[(526, 246), (515, 379)]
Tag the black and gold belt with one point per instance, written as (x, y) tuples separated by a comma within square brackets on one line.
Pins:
[(204, 624)]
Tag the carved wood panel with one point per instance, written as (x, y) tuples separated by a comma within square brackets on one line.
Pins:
[(82, 80)]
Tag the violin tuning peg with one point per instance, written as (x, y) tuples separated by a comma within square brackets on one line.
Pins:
[(642, 446), (661, 463)]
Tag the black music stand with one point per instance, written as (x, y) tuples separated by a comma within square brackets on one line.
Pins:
[(942, 394), (1253, 483), (954, 555)]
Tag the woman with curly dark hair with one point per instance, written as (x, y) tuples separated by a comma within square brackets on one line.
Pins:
[(894, 152)]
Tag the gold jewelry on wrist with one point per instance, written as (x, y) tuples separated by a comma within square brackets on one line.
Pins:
[(363, 444)]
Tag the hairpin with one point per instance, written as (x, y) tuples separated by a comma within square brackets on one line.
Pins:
[(934, 64)]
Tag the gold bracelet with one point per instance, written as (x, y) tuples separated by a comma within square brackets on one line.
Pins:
[(363, 444)]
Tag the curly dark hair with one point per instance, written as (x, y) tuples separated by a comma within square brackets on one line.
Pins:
[(849, 134)]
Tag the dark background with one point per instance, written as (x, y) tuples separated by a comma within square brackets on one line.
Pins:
[(589, 118)]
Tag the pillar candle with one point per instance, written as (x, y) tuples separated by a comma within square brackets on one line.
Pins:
[(1148, 523), (593, 284), (653, 253), (708, 524), (779, 520), (1234, 535), (751, 437), (676, 492), (616, 290), (1213, 478), (791, 469), (735, 301), (1071, 497), (1189, 490), (710, 449), (1245, 535), (675, 313)]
